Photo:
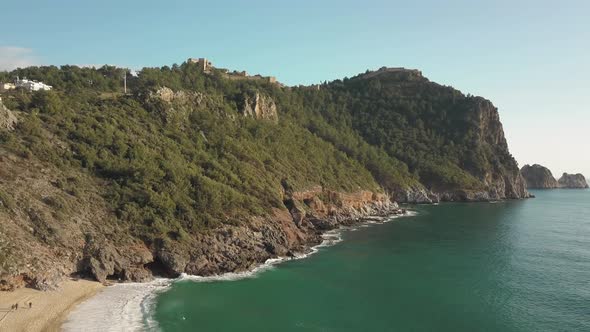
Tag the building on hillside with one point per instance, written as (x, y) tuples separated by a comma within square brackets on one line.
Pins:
[(207, 67), (7, 86), (397, 70), (204, 64), (242, 73), (31, 85)]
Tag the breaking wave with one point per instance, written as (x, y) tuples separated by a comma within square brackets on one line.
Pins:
[(122, 307)]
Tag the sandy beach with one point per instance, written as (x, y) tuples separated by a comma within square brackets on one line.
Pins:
[(49, 309)]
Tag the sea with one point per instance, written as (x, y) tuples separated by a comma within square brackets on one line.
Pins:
[(501, 266)]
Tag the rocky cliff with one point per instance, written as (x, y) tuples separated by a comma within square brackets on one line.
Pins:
[(573, 181), (499, 179), (175, 106), (260, 106), (286, 232), (538, 177)]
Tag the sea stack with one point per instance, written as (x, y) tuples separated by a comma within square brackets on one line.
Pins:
[(573, 181), (538, 177)]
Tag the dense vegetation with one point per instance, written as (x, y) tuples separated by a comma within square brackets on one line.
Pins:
[(211, 165), (422, 124)]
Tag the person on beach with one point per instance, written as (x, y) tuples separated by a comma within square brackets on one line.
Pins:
[(12, 307), (30, 305), (16, 306)]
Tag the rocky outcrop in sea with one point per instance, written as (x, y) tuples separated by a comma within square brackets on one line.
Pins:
[(538, 177), (573, 181)]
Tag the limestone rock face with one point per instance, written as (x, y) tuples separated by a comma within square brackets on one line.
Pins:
[(181, 97), (573, 181), (538, 177), (285, 232), (175, 106), (7, 119), (103, 260), (502, 178), (417, 195), (260, 106)]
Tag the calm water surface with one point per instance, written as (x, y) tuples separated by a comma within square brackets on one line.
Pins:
[(509, 266)]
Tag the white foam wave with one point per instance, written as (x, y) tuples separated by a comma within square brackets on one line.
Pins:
[(329, 238), (409, 213), (231, 276), (122, 307)]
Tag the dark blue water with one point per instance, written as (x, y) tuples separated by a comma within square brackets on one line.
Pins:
[(508, 266)]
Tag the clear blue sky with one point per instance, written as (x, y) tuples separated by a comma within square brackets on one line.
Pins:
[(531, 58)]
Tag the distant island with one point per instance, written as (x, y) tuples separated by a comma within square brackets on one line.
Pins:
[(190, 168), (540, 177), (573, 181)]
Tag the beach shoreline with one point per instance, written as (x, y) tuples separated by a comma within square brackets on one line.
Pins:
[(49, 308), (52, 309)]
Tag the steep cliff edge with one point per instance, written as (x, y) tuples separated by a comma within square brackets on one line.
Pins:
[(453, 144), (538, 177), (498, 171), (573, 181)]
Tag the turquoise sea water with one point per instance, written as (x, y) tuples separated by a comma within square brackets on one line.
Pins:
[(508, 266)]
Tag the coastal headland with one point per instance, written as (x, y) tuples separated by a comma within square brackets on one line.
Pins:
[(184, 170)]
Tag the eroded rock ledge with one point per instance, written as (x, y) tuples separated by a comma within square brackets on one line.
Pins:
[(307, 214)]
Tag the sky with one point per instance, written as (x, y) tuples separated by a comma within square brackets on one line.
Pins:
[(530, 58)]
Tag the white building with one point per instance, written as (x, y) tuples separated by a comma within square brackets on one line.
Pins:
[(6, 86), (31, 85)]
